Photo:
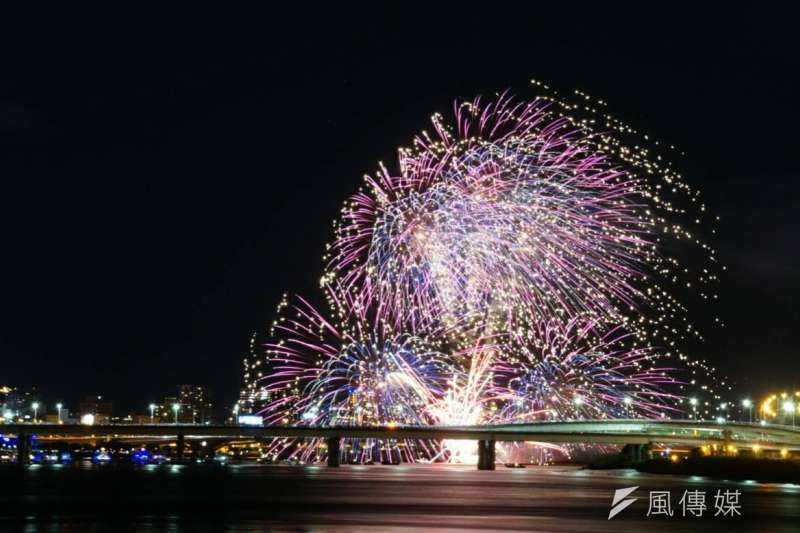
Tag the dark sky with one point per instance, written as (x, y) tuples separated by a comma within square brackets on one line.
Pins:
[(166, 178)]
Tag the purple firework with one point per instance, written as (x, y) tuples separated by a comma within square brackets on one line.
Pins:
[(514, 216)]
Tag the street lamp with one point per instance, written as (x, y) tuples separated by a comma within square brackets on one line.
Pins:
[(152, 413), (789, 407), (747, 404), (35, 406), (724, 407), (59, 406), (176, 407)]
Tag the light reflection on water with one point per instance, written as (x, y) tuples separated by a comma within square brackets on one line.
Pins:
[(249, 497)]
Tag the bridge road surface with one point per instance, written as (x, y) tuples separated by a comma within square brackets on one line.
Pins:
[(406, 498), (639, 431)]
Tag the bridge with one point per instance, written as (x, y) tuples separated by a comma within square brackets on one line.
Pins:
[(635, 434)]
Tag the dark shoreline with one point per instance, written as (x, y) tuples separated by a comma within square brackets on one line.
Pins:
[(726, 468)]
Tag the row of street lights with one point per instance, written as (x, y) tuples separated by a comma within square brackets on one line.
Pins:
[(35, 406), (176, 408), (746, 403), (788, 407)]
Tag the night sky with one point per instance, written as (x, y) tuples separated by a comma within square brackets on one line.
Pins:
[(165, 180)]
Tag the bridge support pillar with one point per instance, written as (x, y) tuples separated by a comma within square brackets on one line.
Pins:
[(180, 445), (334, 451), (636, 453), (23, 449), (727, 438), (486, 454)]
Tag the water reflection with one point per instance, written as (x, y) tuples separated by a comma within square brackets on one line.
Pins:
[(210, 497)]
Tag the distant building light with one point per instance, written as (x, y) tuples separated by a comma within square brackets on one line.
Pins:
[(250, 420), (87, 420)]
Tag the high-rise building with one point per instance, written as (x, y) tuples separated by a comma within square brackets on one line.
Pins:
[(165, 412), (6, 413), (252, 397), (19, 403), (5, 390), (196, 404), (192, 405)]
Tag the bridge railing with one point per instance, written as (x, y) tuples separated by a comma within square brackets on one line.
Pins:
[(636, 433)]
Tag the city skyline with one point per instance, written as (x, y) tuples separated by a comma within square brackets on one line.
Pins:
[(186, 403)]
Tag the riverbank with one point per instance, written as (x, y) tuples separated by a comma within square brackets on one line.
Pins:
[(734, 468)]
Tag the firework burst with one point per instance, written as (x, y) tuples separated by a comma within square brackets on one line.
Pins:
[(514, 215), (320, 375), (521, 264), (571, 373)]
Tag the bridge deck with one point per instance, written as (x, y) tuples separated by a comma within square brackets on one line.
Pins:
[(588, 432)]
